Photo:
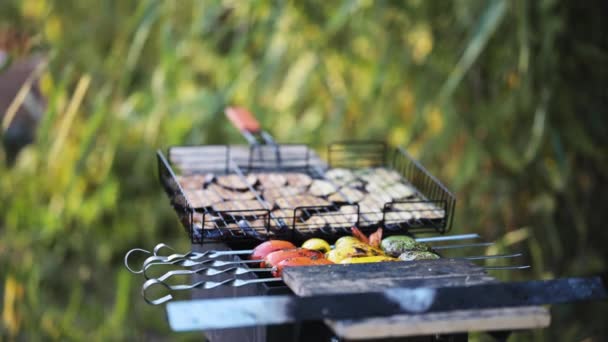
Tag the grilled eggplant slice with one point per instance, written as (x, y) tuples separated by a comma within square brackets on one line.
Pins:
[(398, 244), (418, 255)]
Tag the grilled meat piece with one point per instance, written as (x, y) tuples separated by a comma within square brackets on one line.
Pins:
[(292, 202), (236, 182), (321, 188), (298, 179)]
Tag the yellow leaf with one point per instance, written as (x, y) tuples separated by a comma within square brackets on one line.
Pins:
[(53, 28), (13, 293), (33, 8), (434, 120), (420, 40)]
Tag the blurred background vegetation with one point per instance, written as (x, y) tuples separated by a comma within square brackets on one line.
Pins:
[(505, 101)]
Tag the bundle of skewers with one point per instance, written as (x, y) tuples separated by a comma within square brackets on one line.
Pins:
[(272, 256)]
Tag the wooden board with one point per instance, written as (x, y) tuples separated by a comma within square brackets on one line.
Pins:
[(308, 281)]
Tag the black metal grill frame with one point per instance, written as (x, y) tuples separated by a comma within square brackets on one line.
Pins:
[(242, 160)]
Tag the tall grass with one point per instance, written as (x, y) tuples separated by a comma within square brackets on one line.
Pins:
[(479, 90)]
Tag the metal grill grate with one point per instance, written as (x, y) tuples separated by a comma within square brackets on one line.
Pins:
[(368, 200)]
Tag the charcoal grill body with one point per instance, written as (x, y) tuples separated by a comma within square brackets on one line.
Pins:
[(316, 331)]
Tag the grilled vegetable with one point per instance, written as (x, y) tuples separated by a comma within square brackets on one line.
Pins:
[(276, 257), (398, 244), (317, 244), (265, 248), (346, 240), (375, 238), (353, 250), (277, 271), (359, 235), (368, 259), (418, 255)]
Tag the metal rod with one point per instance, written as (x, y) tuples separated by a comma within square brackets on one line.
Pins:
[(201, 284), (480, 244), (211, 271)]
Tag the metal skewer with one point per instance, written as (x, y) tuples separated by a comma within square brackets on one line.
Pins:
[(210, 270), (236, 282), (182, 262), (155, 255)]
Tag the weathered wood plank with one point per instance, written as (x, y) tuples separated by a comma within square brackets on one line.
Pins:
[(443, 323), (308, 281)]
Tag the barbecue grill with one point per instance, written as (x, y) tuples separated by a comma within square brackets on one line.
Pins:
[(232, 197)]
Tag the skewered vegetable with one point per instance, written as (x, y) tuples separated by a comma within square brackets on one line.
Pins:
[(398, 244), (276, 257), (346, 240), (375, 238), (359, 235), (353, 250), (265, 248), (277, 271), (368, 259), (418, 255), (317, 244)]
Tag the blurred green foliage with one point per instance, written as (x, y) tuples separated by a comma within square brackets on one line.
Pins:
[(503, 100)]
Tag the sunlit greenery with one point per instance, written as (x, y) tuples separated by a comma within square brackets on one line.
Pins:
[(502, 100)]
